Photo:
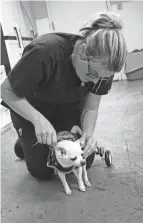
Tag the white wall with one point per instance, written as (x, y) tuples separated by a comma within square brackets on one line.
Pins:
[(132, 16), (69, 16), (11, 16), (39, 9), (28, 16), (12, 13), (42, 26), (41, 16)]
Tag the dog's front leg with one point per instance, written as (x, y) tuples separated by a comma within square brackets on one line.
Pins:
[(86, 180), (64, 182), (78, 173)]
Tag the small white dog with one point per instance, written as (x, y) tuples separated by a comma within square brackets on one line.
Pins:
[(67, 156)]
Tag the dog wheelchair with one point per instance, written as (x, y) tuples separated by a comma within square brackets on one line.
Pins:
[(66, 135), (106, 154)]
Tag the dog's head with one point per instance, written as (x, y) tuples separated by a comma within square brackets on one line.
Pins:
[(69, 153)]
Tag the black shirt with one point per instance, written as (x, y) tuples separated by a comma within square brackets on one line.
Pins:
[(45, 72)]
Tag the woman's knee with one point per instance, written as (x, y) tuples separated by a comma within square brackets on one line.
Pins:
[(44, 173)]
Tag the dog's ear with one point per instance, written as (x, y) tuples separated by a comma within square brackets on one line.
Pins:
[(61, 150), (82, 140)]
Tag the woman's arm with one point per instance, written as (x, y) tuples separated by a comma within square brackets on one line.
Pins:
[(88, 122), (90, 113), (19, 105), (44, 130)]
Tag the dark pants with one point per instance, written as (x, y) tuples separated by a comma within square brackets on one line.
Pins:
[(63, 117)]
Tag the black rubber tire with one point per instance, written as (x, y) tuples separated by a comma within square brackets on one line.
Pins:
[(18, 149), (108, 158)]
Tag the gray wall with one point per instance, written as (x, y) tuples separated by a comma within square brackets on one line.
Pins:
[(39, 9)]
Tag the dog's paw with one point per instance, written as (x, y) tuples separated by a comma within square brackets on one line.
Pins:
[(88, 184), (68, 192), (82, 188)]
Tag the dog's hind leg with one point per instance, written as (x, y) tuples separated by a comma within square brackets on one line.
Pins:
[(78, 173)]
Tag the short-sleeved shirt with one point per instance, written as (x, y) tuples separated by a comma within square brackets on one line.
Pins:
[(45, 72)]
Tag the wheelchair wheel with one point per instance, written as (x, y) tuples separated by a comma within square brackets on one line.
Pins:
[(108, 158)]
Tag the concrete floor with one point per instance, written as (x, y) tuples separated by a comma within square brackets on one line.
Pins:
[(116, 195)]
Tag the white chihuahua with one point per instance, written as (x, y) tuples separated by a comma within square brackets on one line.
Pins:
[(67, 156)]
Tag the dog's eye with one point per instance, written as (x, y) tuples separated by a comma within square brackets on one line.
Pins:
[(73, 159)]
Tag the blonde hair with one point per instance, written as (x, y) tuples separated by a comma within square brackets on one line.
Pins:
[(104, 38)]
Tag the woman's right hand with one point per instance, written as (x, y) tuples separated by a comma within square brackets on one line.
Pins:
[(44, 131)]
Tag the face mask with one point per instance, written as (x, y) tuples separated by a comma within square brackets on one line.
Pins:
[(99, 70), (81, 68)]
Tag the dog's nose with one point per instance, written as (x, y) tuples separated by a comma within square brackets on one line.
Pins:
[(82, 163)]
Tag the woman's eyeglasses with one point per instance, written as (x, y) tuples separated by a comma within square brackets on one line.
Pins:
[(97, 68)]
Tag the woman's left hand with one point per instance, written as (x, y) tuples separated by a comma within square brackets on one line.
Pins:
[(90, 145)]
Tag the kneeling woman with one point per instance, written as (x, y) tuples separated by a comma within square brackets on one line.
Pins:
[(58, 83)]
